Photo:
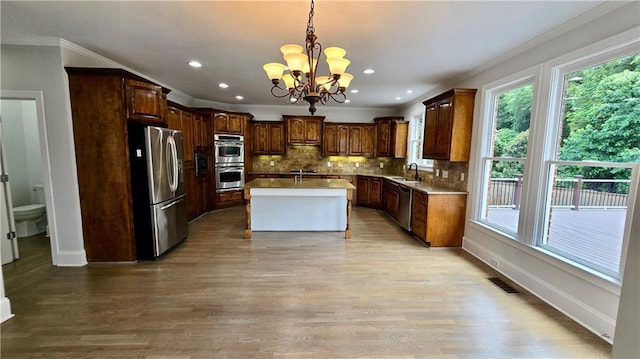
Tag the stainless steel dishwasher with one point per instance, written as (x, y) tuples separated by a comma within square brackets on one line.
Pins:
[(405, 195)]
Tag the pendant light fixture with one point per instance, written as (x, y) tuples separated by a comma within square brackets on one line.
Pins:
[(304, 61)]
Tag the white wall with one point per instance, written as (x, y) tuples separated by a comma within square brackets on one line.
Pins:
[(40, 68), (587, 298)]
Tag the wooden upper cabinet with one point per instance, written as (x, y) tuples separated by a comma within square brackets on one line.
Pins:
[(448, 123), (391, 137), (305, 130), (335, 139), (362, 140), (230, 123), (268, 138), (145, 102)]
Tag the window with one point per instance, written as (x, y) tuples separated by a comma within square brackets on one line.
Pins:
[(560, 155), (591, 169), (503, 166), (416, 133)]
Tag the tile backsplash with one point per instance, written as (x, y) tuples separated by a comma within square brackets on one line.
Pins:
[(310, 158)]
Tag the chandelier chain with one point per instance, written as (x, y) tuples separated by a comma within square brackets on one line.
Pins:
[(310, 28)]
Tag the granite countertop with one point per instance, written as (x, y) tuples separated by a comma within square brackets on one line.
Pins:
[(418, 186), (306, 183)]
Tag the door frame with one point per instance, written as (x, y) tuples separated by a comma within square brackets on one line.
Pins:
[(38, 97)]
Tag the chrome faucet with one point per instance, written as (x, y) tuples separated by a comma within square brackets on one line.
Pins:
[(417, 176)]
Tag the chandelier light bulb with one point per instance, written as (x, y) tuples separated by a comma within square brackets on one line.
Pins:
[(334, 52), (291, 49), (288, 81), (345, 80), (337, 66), (324, 82), (296, 61), (274, 70)]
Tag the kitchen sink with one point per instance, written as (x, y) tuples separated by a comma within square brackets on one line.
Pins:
[(405, 180)]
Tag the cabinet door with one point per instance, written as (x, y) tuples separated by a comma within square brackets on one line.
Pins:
[(187, 135), (330, 140), (430, 128), (220, 123), (355, 140), (260, 138), (276, 139), (313, 131), (368, 141), (375, 192), (173, 119), (383, 135), (144, 102), (234, 124), (343, 140), (191, 190), (445, 121), (295, 130), (362, 191)]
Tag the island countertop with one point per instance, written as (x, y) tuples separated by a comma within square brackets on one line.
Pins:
[(306, 183)]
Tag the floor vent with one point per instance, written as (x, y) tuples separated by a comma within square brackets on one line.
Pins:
[(502, 285)]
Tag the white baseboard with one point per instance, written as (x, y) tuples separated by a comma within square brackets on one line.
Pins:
[(71, 259), (588, 317), (5, 309)]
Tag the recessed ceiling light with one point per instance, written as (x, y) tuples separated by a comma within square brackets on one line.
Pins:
[(368, 71), (347, 101), (409, 91), (195, 64), (222, 85), (398, 98), (354, 91), (239, 97)]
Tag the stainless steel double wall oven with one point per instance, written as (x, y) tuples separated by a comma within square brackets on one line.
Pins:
[(229, 161)]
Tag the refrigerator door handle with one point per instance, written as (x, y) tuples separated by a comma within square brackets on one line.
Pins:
[(169, 205), (172, 163)]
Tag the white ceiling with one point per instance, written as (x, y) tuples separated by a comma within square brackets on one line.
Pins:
[(412, 45)]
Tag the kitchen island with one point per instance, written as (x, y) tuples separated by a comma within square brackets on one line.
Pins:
[(310, 204)]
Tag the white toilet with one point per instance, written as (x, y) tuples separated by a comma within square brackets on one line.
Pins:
[(32, 218)]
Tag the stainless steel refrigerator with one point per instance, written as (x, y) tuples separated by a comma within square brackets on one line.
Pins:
[(157, 184)]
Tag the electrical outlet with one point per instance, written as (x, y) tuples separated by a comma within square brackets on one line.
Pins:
[(462, 177), (272, 163), (329, 164), (357, 164), (445, 174), (381, 165), (437, 172)]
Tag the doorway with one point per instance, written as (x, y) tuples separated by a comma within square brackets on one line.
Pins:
[(27, 184)]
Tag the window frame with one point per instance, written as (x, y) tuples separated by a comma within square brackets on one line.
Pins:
[(490, 94), (416, 137), (543, 143)]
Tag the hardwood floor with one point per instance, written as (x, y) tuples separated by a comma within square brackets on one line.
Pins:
[(286, 295)]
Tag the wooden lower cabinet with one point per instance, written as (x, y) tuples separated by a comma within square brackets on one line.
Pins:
[(438, 219), (390, 198), (191, 190), (369, 191), (229, 199)]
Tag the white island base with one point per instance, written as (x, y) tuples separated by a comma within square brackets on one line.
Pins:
[(279, 206)]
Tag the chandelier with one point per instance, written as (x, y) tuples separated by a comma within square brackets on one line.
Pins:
[(310, 88)]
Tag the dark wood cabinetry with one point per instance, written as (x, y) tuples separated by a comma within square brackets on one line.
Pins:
[(369, 191), (304, 130), (362, 140), (448, 122), (390, 198), (349, 139), (102, 103), (229, 198), (230, 123), (438, 219), (391, 137), (146, 102), (335, 139), (268, 138)]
